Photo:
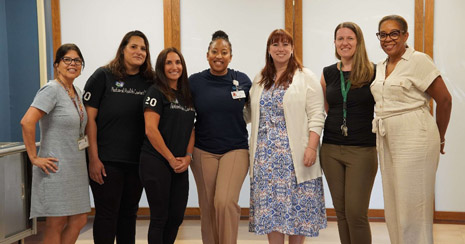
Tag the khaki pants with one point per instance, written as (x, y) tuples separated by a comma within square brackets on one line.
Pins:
[(350, 172), (408, 147), (219, 179)]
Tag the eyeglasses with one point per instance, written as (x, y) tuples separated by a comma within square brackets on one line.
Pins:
[(68, 61), (394, 35)]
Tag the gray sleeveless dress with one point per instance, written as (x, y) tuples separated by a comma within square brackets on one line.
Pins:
[(65, 192)]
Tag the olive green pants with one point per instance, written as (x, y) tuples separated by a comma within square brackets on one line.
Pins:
[(350, 172)]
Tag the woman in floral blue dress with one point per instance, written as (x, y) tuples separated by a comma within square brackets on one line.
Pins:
[(287, 115)]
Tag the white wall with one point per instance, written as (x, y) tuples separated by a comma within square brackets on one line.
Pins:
[(320, 18), (449, 52), (98, 27), (248, 24)]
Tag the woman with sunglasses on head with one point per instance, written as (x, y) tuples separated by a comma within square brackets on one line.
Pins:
[(167, 150), (60, 184), (113, 98), (348, 153), (221, 148), (409, 140), (287, 115)]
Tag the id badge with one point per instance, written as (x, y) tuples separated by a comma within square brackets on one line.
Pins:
[(238, 94), (83, 143)]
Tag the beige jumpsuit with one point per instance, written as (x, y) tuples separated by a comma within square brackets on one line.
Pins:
[(408, 144)]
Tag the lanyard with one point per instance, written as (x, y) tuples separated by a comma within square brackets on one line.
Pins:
[(79, 107), (344, 90)]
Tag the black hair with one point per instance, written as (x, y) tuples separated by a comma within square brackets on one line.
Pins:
[(219, 34), (399, 19), (64, 49)]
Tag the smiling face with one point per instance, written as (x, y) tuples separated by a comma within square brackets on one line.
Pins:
[(280, 52), (219, 56), (345, 43), (134, 53), (173, 67), (393, 48), (69, 72)]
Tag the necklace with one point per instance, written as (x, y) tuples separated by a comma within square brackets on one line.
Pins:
[(79, 107)]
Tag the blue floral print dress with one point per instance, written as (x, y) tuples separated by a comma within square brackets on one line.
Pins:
[(277, 202)]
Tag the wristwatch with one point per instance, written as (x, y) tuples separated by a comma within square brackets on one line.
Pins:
[(190, 155)]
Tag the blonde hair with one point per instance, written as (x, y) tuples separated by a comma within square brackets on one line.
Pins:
[(362, 71)]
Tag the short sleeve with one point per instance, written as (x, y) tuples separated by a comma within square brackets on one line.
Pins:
[(244, 80), (46, 98), (95, 88), (244, 83), (425, 71), (193, 83), (154, 100)]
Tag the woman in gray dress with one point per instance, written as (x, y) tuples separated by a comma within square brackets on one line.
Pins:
[(60, 187)]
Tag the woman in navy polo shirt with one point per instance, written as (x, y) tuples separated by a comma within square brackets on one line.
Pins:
[(221, 147)]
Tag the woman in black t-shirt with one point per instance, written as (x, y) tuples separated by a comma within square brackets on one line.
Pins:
[(113, 97), (348, 153), (167, 150)]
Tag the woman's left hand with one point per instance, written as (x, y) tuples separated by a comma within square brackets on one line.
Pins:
[(185, 161), (309, 156)]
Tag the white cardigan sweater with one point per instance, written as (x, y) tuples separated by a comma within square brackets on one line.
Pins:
[(303, 105)]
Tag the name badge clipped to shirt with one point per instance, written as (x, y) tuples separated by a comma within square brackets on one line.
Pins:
[(83, 143), (238, 94)]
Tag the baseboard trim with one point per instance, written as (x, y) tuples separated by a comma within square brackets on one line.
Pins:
[(444, 217), (374, 215)]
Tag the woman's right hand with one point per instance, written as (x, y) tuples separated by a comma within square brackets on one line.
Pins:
[(45, 164), (97, 171)]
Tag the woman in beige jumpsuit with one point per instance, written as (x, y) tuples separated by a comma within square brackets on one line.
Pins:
[(409, 140)]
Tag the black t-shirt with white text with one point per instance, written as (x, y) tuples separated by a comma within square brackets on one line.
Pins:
[(120, 119), (175, 125)]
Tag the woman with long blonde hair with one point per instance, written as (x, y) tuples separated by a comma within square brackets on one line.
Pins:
[(348, 152)]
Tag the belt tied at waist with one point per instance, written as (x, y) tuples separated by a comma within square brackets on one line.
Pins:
[(378, 124)]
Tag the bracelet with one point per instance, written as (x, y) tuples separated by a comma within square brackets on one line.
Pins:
[(190, 155), (314, 149), (443, 142)]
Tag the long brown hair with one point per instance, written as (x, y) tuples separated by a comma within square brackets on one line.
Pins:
[(163, 82), (362, 69), (269, 71), (116, 66)]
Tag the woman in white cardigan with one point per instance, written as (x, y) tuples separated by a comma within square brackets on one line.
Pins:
[(287, 115)]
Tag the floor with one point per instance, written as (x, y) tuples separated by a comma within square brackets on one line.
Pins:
[(189, 233)]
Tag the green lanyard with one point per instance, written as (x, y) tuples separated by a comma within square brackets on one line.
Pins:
[(344, 90)]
